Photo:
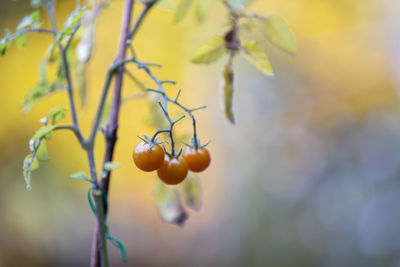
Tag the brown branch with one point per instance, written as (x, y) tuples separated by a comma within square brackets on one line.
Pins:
[(111, 131)]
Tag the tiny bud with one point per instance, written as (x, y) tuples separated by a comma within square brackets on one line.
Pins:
[(43, 121), (31, 145)]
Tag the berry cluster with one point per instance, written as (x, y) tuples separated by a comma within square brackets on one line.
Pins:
[(150, 156)]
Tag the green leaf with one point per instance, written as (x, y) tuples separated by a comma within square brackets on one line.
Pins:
[(21, 40), (228, 92), (38, 3), (192, 191), (29, 165), (5, 42), (35, 163), (210, 51), (202, 9), (43, 132), (35, 93), (56, 114), (30, 20), (278, 32), (240, 4), (256, 55), (182, 9), (42, 89), (108, 166), (80, 176), (41, 152), (169, 204), (167, 4), (72, 21)]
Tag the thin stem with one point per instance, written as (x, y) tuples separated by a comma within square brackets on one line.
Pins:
[(111, 131), (115, 67), (153, 138), (69, 88), (92, 165), (228, 6), (24, 31), (65, 127), (187, 110), (171, 126), (139, 21), (161, 91), (100, 109), (135, 80), (50, 13), (72, 36), (98, 198)]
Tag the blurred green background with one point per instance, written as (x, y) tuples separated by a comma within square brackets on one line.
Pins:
[(308, 176)]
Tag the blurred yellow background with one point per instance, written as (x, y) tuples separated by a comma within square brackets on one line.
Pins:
[(308, 176)]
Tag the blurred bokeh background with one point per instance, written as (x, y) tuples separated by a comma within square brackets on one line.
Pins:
[(308, 176)]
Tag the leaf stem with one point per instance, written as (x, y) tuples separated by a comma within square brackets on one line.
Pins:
[(24, 31)]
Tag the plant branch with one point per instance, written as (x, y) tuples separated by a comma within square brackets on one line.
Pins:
[(139, 21), (187, 110), (98, 198), (170, 130), (111, 131), (92, 165), (24, 31), (69, 88), (63, 51), (100, 108), (50, 13), (135, 80)]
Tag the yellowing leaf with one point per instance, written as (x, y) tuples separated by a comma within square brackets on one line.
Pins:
[(31, 20), (21, 40), (182, 10), (41, 152), (56, 114), (201, 10), (257, 56), (228, 92), (192, 191), (169, 204), (43, 132), (29, 166), (167, 4), (240, 4), (278, 32), (210, 51)]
